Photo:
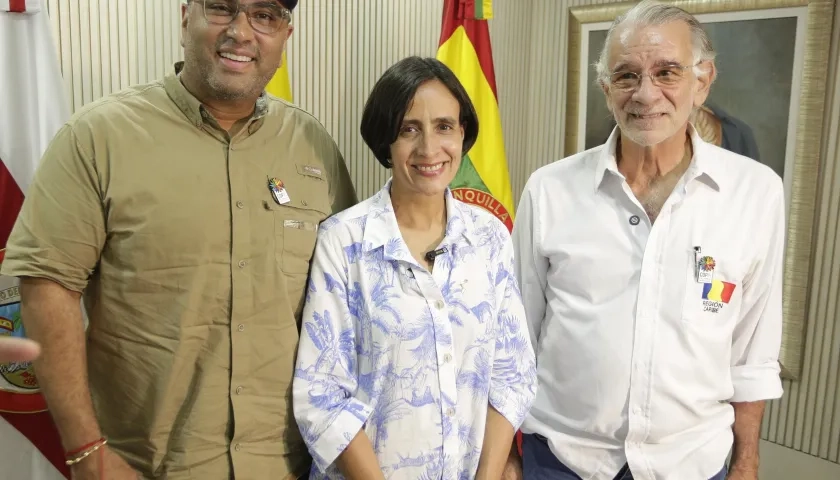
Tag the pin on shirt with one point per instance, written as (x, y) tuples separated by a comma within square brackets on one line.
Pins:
[(704, 268), (278, 191)]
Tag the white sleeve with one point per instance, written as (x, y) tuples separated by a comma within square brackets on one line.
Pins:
[(530, 266), (325, 385), (757, 337)]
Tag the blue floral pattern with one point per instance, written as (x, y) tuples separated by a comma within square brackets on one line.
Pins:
[(411, 357)]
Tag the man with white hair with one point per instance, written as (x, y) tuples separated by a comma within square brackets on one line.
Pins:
[(651, 272)]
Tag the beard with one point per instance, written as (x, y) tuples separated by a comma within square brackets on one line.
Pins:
[(236, 88), (647, 133)]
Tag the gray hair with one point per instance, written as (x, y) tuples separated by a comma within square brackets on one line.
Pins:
[(651, 13)]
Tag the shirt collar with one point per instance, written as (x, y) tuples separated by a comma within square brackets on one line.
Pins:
[(607, 159), (381, 229), (702, 167), (192, 107)]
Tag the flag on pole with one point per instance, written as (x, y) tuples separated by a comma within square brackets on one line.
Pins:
[(33, 106), (483, 177), (279, 85)]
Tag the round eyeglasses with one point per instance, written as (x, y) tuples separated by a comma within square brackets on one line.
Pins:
[(664, 76), (264, 17)]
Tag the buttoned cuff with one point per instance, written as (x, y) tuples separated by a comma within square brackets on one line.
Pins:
[(756, 382), (340, 431)]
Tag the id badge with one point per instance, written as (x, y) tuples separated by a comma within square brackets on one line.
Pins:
[(278, 191), (705, 269)]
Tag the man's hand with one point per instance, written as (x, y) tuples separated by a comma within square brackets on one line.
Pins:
[(101, 464), (742, 474), (513, 468)]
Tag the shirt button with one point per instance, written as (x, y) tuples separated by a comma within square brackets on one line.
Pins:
[(439, 304), (238, 390), (242, 263), (237, 447), (241, 327), (450, 412), (240, 205), (447, 358), (637, 410)]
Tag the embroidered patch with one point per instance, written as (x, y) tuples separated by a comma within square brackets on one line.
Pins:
[(300, 225), (312, 170)]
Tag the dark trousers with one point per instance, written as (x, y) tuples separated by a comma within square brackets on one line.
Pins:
[(539, 463)]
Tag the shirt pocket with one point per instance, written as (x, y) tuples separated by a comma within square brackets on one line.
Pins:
[(714, 301), (296, 221), (298, 243)]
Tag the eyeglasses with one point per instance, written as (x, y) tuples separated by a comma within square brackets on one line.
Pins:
[(665, 76), (264, 17)]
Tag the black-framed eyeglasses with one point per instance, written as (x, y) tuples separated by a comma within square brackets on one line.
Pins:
[(264, 17), (664, 76)]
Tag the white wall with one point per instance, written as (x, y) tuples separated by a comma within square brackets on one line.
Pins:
[(340, 48), (107, 45)]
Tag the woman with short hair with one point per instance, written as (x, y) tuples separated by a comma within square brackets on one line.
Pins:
[(415, 360)]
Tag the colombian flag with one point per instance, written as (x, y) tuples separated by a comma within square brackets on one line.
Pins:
[(483, 178), (279, 85), (718, 291)]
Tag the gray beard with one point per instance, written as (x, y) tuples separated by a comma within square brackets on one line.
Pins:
[(222, 91)]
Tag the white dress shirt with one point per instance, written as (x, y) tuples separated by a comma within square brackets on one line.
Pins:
[(637, 360), (413, 358)]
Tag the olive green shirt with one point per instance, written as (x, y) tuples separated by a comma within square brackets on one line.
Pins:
[(193, 272)]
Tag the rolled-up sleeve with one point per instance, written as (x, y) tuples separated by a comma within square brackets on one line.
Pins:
[(61, 229), (325, 386), (513, 382), (757, 337)]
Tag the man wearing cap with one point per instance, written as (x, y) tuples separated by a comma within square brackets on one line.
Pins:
[(185, 211)]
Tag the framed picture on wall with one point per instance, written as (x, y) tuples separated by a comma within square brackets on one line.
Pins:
[(766, 103)]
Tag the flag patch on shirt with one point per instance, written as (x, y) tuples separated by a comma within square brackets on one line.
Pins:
[(718, 291)]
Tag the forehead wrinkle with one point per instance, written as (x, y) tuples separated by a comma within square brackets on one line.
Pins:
[(666, 62), (624, 65), (638, 56)]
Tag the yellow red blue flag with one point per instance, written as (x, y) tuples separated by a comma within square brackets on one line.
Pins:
[(483, 178)]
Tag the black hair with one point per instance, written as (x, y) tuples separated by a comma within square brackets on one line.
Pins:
[(392, 95)]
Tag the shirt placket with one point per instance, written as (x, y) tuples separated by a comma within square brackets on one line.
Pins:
[(649, 305), (241, 288), (445, 356)]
